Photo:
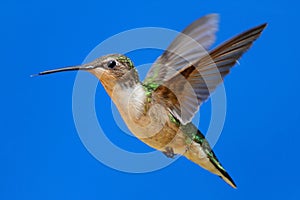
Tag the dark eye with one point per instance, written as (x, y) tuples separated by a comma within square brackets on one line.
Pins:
[(111, 64)]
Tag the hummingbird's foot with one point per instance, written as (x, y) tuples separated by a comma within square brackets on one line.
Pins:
[(169, 152)]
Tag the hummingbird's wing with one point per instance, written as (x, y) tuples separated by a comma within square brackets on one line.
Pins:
[(188, 47), (184, 92)]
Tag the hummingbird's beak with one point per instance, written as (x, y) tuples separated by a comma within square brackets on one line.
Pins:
[(72, 68)]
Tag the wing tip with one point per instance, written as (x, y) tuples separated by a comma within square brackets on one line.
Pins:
[(260, 27), (216, 16), (264, 25)]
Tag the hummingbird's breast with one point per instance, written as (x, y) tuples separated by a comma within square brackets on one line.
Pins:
[(148, 121)]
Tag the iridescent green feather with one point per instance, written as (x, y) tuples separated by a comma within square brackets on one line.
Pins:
[(126, 60)]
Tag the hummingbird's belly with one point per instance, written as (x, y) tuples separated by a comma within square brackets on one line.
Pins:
[(161, 134), (168, 136)]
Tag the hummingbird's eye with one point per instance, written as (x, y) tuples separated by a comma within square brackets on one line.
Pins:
[(111, 64)]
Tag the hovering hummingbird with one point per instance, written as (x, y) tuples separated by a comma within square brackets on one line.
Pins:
[(160, 109)]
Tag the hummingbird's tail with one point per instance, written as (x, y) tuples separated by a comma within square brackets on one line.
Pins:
[(200, 153)]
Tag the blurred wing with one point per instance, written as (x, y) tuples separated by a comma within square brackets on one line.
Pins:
[(188, 47), (187, 89)]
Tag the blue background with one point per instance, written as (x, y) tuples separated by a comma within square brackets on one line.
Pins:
[(42, 156)]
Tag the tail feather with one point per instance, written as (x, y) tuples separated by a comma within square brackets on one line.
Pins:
[(223, 173), (211, 164), (201, 153)]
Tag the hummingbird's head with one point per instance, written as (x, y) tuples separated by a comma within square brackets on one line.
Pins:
[(112, 69), (109, 69), (113, 66)]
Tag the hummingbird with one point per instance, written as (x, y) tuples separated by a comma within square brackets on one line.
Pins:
[(160, 109)]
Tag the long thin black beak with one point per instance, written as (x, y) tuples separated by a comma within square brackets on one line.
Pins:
[(72, 68)]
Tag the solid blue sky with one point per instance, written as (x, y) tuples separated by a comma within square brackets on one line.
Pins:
[(42, 155)]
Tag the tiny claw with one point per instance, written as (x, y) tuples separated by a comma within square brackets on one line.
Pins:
[(169, 152)]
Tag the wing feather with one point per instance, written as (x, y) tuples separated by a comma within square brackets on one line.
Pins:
[(192, 85), (187, 47)]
